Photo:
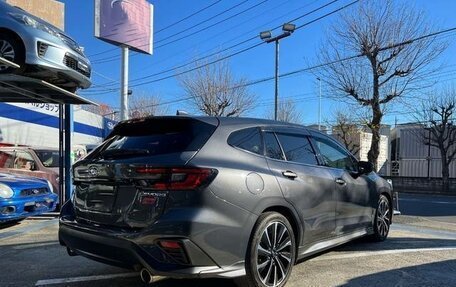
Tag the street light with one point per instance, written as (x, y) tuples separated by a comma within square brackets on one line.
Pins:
[(266, 36)]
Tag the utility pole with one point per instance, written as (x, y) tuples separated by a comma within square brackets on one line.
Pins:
[(124, 84), (319, 106), (276, 77)]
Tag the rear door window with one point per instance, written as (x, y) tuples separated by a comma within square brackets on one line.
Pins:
[(247, 139), (272, 146), (297, 148)]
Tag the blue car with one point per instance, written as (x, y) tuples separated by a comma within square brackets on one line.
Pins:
[(22, 196)]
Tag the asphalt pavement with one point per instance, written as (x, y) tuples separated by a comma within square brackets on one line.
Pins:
[(437, 208), (420, 251)]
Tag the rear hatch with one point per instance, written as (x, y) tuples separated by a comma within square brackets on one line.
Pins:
[(141, 170)]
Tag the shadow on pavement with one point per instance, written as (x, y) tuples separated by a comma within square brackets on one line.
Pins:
[(4, 225), (194, 283), (442, 273), (396, 243)]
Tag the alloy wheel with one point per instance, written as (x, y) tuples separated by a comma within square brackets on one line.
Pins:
[(274, 257), (383, 217), (7, 52)]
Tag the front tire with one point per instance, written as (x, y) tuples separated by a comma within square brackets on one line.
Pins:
[(382, 219), (271, 253), (12, 50)]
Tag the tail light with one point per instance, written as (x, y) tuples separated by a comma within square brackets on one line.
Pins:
[(176, 178)]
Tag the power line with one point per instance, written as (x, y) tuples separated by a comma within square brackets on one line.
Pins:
[(205, 21), (225, 49), (187, 17), (243, 50), (407, 42)]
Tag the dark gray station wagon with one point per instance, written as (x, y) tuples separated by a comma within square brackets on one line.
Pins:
[(220, 197)]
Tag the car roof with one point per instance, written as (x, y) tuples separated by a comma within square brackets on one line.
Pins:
[(228, 121)]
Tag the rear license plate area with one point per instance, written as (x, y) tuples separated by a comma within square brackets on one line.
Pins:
[(95, 197)]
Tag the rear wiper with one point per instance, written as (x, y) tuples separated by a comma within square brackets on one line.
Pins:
[(116, 153)]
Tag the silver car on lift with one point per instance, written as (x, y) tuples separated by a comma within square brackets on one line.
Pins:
[(42, 50)]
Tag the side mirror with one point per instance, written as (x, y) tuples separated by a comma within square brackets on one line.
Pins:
[(365, 167)]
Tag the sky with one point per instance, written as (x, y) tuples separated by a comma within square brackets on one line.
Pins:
[(244, 20)]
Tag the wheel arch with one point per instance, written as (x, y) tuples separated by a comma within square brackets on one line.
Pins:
[(292, 218), (390, 200), (15, 35)]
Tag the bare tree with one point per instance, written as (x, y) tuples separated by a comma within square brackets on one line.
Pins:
[(347, 131), (388, 65), (287, 112), (215, 91), (438, 115), (142, 105), (102, 110)]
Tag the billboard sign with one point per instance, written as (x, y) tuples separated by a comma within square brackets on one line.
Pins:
[(125, 22)]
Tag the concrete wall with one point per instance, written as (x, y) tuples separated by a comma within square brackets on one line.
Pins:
[(421, 185)]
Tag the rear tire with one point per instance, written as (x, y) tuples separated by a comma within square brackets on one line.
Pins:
[(382, 219), (12, 50), (271, 252)]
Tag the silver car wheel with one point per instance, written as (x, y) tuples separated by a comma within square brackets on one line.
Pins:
[(7, 52), (274, 254), (383, 217)]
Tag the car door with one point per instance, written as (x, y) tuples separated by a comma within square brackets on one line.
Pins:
[(306, 185), (353, 210)]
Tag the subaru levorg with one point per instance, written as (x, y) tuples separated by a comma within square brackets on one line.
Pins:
[(220, 197)]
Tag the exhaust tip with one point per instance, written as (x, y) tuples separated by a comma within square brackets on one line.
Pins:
[(146, 276)]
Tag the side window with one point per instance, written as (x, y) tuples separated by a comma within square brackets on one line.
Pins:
[(247, 139), (24, 160), (273, 149), (333, 155), (297, 148), (6, 159)]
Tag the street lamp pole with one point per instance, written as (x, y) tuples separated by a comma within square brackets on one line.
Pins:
[(267, 37)]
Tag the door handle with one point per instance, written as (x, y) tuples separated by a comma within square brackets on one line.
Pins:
[(290, 174), (340, 181)]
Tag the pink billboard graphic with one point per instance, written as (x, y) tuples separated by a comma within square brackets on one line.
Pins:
[(125, 22)]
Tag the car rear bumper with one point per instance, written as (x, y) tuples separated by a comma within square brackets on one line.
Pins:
[(28, 206), (137, 249)]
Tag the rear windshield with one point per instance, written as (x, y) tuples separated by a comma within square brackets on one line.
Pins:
[(156, 137)]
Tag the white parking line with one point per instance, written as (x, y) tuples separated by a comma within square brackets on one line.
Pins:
[(426, 201), (381, 252), (34, 245), (84, 278)]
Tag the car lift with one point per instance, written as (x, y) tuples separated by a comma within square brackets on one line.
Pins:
[(23, 89)]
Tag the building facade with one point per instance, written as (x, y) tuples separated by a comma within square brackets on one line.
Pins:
[(412, 157)]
